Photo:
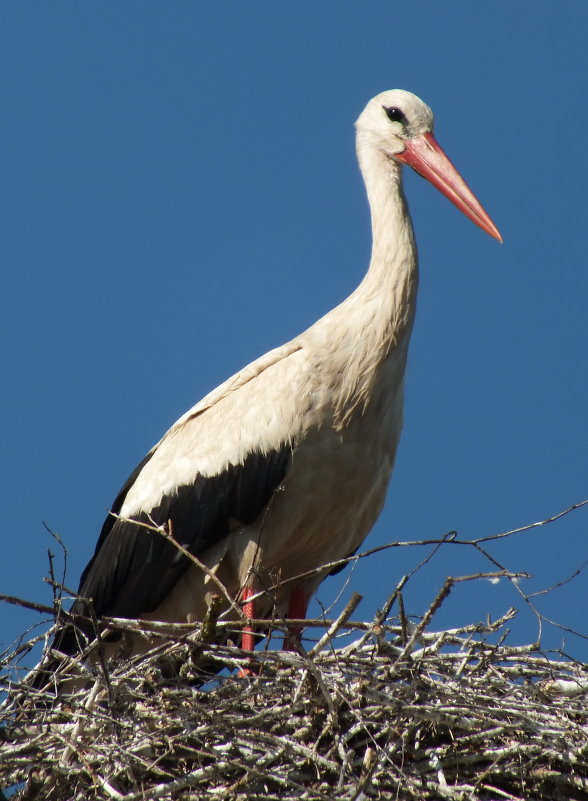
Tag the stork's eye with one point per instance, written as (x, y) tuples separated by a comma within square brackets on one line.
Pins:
[(394, 114)]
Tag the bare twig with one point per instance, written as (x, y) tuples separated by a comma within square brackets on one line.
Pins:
[(457, 718), (402, 711), (337, 624)]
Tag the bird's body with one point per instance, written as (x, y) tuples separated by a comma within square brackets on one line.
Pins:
[(320, 435), (284, 467)]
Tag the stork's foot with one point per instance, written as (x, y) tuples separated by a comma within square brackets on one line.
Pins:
[(296, 611), (292, 639), (248, 644), (251, 672)]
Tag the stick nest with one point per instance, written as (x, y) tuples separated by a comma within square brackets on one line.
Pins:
[(398, 711)]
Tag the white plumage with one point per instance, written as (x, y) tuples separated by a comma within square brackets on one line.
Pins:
[(285, 466)]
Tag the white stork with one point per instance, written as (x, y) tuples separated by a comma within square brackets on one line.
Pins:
[(284, 467)]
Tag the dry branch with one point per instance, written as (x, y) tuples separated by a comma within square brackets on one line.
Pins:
[(386, 709), (443, 714)]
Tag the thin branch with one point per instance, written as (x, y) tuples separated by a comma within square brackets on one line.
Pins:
[(166, 532), (338, 624)]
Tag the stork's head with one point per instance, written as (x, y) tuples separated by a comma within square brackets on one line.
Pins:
[(393, 117), (397, 125)]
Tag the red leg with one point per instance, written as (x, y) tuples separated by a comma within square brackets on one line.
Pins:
[(248, 633), (297, 607)]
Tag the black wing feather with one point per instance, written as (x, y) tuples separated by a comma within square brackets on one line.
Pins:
[(133, 569), (115, 509)]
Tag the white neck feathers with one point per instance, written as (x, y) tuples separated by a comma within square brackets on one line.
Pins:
[(375, 322)]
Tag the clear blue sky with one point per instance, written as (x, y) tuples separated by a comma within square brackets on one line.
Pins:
[(179, 193)]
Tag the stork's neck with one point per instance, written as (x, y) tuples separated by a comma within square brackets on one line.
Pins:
[(362, 345), (391, 282)]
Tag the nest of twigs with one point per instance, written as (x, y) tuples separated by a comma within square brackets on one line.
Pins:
[(399, 711)]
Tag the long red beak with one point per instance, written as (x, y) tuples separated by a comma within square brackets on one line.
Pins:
[(426, 156)]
